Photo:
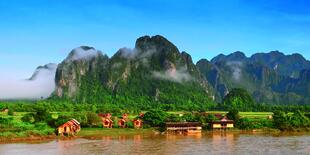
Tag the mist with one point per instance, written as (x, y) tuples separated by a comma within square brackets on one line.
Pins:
[(136, 53), (82, 53), (41, 84), (174, 75), (235, 66)]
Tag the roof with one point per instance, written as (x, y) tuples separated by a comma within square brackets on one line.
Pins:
[(104, 115), (71, 122), (182, 124)]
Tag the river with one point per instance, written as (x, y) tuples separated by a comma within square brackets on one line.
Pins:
[(206, 143)]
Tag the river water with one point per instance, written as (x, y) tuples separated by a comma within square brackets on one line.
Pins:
[(206, 143)]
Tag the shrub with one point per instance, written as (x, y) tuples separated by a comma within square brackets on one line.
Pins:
[(155, 118), (233, 115), (92, 119), (129, 124), (28, 118), (11, 112)]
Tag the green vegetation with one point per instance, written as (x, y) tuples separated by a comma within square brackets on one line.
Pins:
[(287, 121), (238, 99), (40, 118)]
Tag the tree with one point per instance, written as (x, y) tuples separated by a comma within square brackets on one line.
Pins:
[(28, 118), (281, 120), (41, 114), (233, 115), (240, 99), (11, 112), (92, 119), (155, 118)]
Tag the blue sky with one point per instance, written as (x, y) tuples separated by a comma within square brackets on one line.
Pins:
[(34, 33)]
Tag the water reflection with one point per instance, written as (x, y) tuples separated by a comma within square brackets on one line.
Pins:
[(205, 143)]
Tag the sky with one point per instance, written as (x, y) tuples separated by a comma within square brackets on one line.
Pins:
[(37, 32)]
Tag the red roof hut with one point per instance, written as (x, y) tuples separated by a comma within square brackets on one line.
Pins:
[(137, 123), (122, 122), (70, 127), (107, 122)]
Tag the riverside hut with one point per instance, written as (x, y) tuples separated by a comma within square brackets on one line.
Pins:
[(137, 123), (122, 121), (107, 122), (184, 127), (224, 123), (69, 128)]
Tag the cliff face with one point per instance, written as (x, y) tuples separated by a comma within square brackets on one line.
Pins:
[(80, 63)]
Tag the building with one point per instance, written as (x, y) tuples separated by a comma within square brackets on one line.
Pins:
[(224, 123), (137, 123), (183, 127), (122, 121), (69, 128), (107, 122)]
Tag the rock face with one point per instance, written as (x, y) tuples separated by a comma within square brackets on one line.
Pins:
[(153, 70), (270, 77), (80, 62)]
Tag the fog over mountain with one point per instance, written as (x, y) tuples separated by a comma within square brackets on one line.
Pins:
[(40, 84)]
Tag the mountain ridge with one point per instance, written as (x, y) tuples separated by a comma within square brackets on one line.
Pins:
[(271, 77)]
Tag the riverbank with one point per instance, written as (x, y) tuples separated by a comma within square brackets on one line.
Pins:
[(88, 133), (99, 133)]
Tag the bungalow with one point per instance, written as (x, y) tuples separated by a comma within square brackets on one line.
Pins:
[(224, 123), (70, 127), (137, 123), (122, 121), (107, 122), (184, 127)]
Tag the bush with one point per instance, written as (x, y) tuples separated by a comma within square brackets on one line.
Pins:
[(42, 114), (189, 117), (155, 118), (28, 118), (174, 118), (245, 123), (11, 112), (233, 115), (129, 124), (92, 119)]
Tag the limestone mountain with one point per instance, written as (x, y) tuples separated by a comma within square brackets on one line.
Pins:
[(270, 77), (154, 71)]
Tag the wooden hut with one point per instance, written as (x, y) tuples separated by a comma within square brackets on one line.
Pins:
[(107, 122), (137, 123), (70, 127), (123, 120), (184, 127), (224, 123)]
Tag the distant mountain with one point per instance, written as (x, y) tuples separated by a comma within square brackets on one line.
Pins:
[(270, 77), (286, 65)]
